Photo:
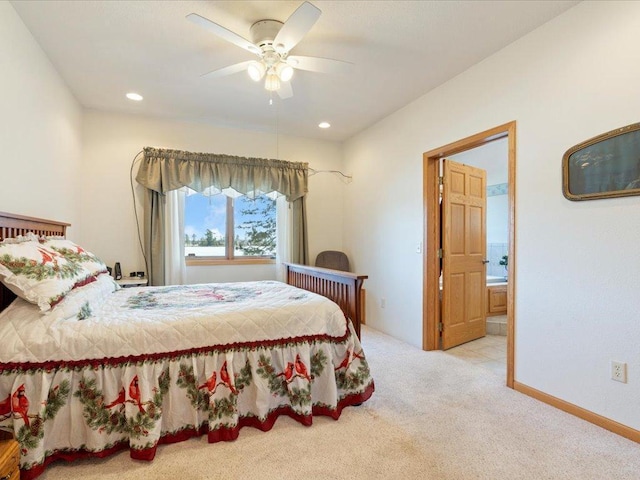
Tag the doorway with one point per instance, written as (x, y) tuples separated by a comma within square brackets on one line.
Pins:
[(432, 224)]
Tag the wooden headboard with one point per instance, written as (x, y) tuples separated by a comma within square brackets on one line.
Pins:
[(13, 225)]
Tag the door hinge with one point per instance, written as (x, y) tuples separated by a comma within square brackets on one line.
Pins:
[(439, 253), (439, 326), (440, 180)]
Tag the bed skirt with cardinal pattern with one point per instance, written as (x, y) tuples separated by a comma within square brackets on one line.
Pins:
[(79, 409)]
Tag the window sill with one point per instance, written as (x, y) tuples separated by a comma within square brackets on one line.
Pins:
[(207, 261)]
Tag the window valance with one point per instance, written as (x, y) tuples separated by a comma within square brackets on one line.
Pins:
[(163, 170)]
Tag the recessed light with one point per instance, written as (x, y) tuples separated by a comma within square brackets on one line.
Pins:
[(324, 125), (134, 96)]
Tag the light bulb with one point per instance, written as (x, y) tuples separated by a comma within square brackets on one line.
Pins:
[(256, 71), (284, 71), (272, 83)]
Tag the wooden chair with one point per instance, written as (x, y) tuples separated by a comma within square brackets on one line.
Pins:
[(339, 261), (333, 259)]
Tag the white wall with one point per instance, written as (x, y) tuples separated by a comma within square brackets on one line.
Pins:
[(39, 130), (577, 299), (110, 143), (498, 219)]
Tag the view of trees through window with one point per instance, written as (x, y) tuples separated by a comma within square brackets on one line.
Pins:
[(251, 221)]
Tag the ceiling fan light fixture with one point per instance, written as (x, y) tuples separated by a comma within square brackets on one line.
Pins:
[(271, 41), (284, 71), (256, 71), (272, 83)]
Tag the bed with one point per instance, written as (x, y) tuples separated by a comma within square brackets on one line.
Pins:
[(104, 369)]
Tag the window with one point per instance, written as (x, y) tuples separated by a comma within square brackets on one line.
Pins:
[(221, 229)]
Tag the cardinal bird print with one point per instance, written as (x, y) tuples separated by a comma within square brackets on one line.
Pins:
[(295, 380), (225, 379), (351, 374), (293, 370), (106, 418), (348, 359), (134, 394), (288, 372), (20, 404), (301, 368), (210, 384), (16, 404), (220, 404), (118, 401)]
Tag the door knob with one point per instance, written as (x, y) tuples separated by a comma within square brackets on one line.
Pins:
[(485, 261)]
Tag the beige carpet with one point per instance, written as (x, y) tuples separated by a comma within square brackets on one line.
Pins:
[(433, 416)]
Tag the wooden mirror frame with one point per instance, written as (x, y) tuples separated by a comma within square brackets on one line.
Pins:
[(631, 160)]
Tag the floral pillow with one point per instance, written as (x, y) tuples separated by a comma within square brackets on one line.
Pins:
[(39, 274), (75, 253)]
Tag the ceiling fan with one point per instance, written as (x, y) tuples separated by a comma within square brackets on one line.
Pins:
[(272, 41)]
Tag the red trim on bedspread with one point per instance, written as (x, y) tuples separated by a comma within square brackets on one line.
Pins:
[(220, 435), (117, 361)]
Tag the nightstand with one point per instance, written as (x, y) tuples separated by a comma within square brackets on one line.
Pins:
[(125, 282), (9, 460)]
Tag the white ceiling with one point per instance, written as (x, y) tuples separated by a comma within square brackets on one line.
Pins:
[(401, 50)]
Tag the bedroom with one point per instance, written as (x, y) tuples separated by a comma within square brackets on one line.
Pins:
[(569, 80)]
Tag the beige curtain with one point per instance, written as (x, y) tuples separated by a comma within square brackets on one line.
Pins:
[(164, 170)]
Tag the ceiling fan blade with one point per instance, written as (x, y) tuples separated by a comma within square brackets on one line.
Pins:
[(285, 91), (231, 69), (296, 27), (222, 32), (317, 64)]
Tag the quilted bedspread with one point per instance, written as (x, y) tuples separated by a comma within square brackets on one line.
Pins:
[(160, 364)]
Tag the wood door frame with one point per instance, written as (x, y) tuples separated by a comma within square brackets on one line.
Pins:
[(431, 262)]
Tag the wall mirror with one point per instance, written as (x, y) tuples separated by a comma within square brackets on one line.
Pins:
[(604, 166)]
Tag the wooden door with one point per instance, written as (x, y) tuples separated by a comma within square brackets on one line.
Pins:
[(464, 242)]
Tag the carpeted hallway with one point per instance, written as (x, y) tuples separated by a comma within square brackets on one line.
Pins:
[(433, 416)]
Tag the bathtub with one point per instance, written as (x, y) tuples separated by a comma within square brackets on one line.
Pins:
[(494, 279), (491, 279)]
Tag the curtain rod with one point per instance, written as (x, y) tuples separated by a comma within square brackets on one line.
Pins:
[(313, 171)]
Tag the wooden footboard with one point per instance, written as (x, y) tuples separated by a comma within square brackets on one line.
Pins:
[(344, 288)]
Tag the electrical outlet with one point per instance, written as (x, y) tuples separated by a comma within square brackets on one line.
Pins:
[(383, 302), (618, 371)]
